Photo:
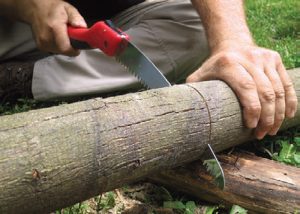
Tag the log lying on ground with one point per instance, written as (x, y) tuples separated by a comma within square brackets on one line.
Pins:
[(55, 157), (257, 184)]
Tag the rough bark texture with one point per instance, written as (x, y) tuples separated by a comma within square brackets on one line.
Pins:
[(55, 157), (257, 184)]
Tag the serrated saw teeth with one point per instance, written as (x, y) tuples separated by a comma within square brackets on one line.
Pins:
[(133, 73), (141, 66)]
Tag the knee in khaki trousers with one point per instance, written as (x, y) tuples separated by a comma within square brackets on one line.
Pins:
[(169, 32)]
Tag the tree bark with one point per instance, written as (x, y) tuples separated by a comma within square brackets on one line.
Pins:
[(257, 184), (51, 158)]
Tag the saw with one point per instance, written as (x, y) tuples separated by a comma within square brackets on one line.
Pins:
[(112, 41), (104, 35)]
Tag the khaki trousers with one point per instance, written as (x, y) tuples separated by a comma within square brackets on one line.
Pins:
[(169, 32)]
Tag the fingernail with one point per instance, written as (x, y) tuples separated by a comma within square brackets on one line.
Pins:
[(253, 123), (291, 112), (273, 132), (260, 135), (79, 23)]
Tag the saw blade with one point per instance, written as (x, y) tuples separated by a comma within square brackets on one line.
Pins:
[(141, 66), (214, 167)]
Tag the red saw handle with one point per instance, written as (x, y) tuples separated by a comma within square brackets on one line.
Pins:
[(103, 35)]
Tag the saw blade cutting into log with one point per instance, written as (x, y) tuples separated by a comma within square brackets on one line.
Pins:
[(113, 42), (94, 146), (213, 167)]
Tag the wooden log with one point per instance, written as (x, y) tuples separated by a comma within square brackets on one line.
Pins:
[(257, 184), (55, 157)]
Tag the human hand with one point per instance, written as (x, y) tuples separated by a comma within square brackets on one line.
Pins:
[(49, 20), (260, 81)]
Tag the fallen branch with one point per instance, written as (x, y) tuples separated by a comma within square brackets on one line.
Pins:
[(257, 184), (55, 157)]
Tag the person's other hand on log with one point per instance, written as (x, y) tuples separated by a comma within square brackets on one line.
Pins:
[(257, 75), (48, 20)]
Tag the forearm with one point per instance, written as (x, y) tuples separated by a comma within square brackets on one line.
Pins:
[(25, 10), (48, 19), (224, 21), (15, 9)]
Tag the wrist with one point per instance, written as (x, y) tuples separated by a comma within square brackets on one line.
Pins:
[(230, 42), (235, 42)]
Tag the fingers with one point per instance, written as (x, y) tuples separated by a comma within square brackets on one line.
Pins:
[(261, 83), (290, 93), (285, 96), (74, 17), (271, 97), (280, 105), (246, 90), (62, 39), (49, 25), (241, 82), (63, 42)]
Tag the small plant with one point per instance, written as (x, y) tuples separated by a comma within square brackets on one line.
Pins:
[(289, 153), (187, 208), (107, 201), (211, 210), (284, 148), (79, 208), (237, 210), (213, 168)]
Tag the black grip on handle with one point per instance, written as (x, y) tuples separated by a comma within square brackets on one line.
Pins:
[(80, 44)]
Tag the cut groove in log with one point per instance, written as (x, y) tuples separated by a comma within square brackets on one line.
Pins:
[(52, 158), (257, 184)]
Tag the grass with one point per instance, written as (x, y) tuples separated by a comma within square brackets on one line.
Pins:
[(275, 24)]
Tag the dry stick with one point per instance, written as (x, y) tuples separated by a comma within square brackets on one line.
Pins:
[(52, 158)]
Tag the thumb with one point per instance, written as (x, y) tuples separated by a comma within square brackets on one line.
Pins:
[(192, 78), (199, 75), (74, 17)]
